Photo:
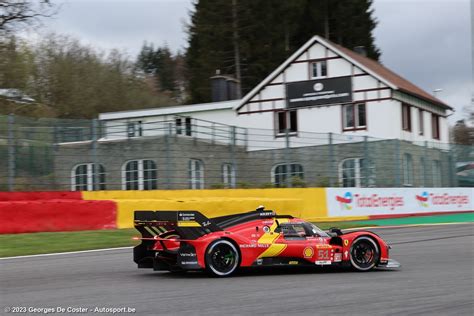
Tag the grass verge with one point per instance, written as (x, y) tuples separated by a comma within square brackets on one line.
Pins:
[(39, 243)]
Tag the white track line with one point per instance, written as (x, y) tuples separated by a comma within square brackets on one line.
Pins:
[(65, 253)]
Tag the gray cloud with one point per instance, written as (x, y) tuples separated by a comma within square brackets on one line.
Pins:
[(427, 42)]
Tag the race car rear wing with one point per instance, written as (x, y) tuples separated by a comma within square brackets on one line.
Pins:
[(187, 224)]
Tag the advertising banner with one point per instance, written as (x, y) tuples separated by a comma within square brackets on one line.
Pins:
[(319, 92), (388, 201)]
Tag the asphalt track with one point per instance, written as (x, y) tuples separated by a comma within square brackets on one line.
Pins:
[(436, 279)]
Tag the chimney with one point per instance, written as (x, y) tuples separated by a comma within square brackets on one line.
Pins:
[(223, 88), (360, 50)]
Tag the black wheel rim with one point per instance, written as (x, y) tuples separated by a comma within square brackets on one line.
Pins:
[(223, 258), (364, 254)]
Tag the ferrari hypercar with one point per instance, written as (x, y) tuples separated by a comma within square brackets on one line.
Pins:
[(188, 240)]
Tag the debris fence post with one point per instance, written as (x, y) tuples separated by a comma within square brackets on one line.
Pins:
[(168, 134), (95, 165), (289, 183), (11, 153), (331, 161)]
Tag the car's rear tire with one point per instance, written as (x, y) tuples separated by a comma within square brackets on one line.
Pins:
[(364, 253), (222, 258)]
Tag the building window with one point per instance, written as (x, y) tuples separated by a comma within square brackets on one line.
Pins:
[(435, 126), (134, 129), (421, 123), (407, 170), (353, 172), (179, 126), (140, 175), (406, 117), (319, 69), (286, 120), (188, 128), (86, 177), (283, 172), (228, 175), (437, 182), (196, 174), (354, 117)]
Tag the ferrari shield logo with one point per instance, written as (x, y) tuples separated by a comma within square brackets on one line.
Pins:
[(346, 242)]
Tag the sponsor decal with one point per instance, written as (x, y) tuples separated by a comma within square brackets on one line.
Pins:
[(369, 201), (308, 252), (293, 262), (345, 201), (338, 257), (323, 246), (425, 199), (346, 254), (322, 262), (346, 242), (266, 229)]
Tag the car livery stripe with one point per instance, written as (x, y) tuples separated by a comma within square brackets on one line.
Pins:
[(269, 238)]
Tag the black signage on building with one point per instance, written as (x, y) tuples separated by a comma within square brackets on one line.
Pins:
[(319, 92)]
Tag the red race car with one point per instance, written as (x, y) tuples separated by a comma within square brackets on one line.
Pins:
[(187, 240)]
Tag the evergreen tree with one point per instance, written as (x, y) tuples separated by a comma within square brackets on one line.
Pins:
[(269, 32)]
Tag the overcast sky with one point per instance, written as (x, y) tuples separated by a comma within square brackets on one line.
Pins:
[(429, 42)]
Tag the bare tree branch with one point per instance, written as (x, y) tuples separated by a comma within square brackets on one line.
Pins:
[(17, 13)]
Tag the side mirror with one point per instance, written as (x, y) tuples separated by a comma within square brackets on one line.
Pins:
[(336, 231)]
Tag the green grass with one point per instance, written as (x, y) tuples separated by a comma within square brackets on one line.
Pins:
[(38, 243)]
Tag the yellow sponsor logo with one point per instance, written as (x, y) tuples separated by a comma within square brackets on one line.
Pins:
[(308, 252), (293, 262), (323, 246), (188, 224)]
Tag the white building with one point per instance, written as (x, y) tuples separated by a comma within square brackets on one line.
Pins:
[(321, 88)]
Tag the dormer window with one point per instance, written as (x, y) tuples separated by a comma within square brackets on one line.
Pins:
[(319, 69)]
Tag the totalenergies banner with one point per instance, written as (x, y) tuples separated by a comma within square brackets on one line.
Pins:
[(397, 201)]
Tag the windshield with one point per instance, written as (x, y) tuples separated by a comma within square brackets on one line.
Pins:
[(317, 231)]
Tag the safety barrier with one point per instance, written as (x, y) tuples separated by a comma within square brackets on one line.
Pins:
[(23, 212), (53, 211), (309, 203)]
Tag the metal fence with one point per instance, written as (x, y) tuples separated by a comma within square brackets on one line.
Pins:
[(183, 153)]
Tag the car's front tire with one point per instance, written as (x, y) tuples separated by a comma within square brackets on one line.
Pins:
[(222, 258), (365, 253)]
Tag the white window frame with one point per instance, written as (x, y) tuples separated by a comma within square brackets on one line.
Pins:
[(317, 67), (421, 122), (407, 169), (355, 113), (228, 175), (141, 174), (359, 175), (287, 114), (135, 129), (195, 177), (89, 175), (285, 175)]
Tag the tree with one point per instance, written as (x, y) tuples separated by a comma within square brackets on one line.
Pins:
[(268, 33), (162, 67), (73, 80), (17, 13)]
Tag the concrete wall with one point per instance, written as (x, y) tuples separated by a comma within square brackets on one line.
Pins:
[(321, 164)]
